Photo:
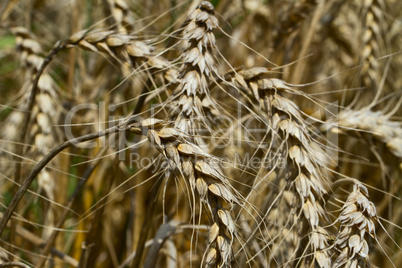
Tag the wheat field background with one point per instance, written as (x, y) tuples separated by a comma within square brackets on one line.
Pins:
[(243, 133)]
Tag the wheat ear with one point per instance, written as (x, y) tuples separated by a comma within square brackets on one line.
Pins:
[(29, 49), (122, 15), (125, 49), (45, 112), (204, 177), (357, 229), (198, 66), (305, 161), (372, 42), (375, 123)]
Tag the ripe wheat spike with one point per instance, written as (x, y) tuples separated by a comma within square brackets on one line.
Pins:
[(200, 133)]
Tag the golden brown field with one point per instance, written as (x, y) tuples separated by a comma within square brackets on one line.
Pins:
[(243, 133)]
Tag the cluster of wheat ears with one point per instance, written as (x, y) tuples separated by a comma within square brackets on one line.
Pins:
[(201, 134)]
